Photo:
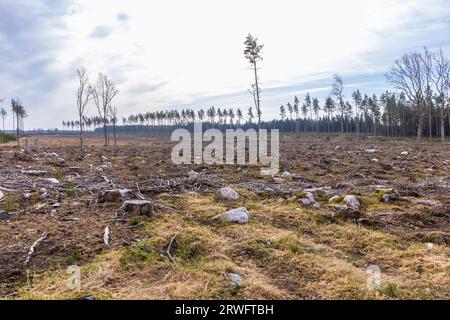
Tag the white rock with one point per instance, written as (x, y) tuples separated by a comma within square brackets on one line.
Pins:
[(106, 236), (404, 153), (192, 175), (305, 202), (375, 160), (371, 150), (52, 180), (40, 206), (286, 174), (227, 194), (27, 195), (352, 201), (236, 279), (43, 190), (1, 195), (239, 215), (430, 245)]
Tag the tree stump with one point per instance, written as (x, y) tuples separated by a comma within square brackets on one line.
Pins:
[(136, 207), (112, 195)]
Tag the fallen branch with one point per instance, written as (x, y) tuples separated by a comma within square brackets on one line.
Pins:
[(33, 247), (106, 236), (7, 190), (168, 249), (139, 194)]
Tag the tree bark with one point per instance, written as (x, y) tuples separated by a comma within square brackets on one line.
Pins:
[(257, 95), (81, 133), (420, 128), (442, 125)]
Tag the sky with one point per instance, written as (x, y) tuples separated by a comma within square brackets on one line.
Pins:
[(189, 54)]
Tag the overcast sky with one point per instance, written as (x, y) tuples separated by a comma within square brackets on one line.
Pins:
[(177, 54)]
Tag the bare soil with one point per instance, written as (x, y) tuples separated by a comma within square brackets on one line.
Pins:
[(286, 251)]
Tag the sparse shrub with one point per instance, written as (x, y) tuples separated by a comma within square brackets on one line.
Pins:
[(289, 243), (9, 204), (70, 189), (141, 253), (391, 290), (189, 249)]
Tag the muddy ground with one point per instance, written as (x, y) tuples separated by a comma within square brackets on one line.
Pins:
[(289, 249)]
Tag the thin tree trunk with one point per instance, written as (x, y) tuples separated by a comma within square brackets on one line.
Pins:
[(430, 120), (81, 134), (442, 126), (17, 130), (419, 129), (257, 95), (105, 133), (115, 138)]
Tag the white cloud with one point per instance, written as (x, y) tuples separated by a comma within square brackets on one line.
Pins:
[(168, 53)]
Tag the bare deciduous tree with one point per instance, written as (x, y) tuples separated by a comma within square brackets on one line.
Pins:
[(441, 79), (103, 94), (113, 117), (408, 75), (84, 95)]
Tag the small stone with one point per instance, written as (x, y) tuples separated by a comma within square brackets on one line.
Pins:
[(27, 195), (286, 175), (375, 160), (52, 180), (40, 206), (192, 175), (404, 153), (371, 150), (43, 190), (227, 194), (136, 207), (305, 202), (337, 148), (1, 195), (308, 200), (340, 207), (56, 205), (352, 201), (239, 215), (4, 216), (235, 279)]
